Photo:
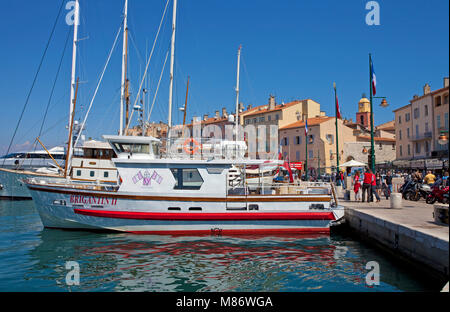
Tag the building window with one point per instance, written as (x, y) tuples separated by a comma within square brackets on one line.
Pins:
[(269, 118), (416, 113), (426, 110), (399, 119), (407, 117), (407, 133), (329, 138), (262, 119), (297, 155), (427, 147), (362, 119), (401, 150), (438, 101), (446, 99), (277, 117), (438, 121), (298, 140), (446, 121), (417, 147), (399, 134), (254, 120), (417, 130), (409, 150), (311, 139), (187, 179), (311, 154), (393, 146), (78, 173)]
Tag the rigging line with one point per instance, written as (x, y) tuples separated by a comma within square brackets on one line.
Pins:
[(148, 63), (35, 78), (53, 89), (98, 85), (157, 88), (54, 83), (248, 80)]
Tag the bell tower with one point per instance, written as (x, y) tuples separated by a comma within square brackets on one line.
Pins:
[(363, 114)]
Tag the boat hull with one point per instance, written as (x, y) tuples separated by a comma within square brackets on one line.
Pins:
[(91, 210)]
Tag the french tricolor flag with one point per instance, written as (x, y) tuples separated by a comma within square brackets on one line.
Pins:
[(374, 80), (306, 127)]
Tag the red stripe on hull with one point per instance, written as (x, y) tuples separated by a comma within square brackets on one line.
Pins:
[(238, 232), (207, 216)]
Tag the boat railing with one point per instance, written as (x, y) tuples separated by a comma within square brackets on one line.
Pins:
[(83, 185), (296, 188)]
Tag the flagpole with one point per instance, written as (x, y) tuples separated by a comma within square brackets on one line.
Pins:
[(337, 133), (372, 147)]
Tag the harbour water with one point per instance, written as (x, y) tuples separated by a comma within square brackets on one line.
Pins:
[(33, 259)]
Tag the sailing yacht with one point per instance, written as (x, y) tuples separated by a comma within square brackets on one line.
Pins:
[(184, 194)]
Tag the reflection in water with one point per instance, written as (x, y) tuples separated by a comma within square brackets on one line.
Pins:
[(33, 259)]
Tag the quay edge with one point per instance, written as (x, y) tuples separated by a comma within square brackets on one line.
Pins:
[(428, 252)]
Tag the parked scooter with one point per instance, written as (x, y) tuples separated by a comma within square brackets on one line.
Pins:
[(419, 191), (406, 188), (438, 194)]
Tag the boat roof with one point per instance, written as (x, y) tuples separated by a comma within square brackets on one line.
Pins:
[(130, 139), (96, 144)]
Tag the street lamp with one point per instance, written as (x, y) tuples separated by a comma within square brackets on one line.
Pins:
[(443, 139)]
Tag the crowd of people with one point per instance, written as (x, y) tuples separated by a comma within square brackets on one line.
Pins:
[(374, 184)]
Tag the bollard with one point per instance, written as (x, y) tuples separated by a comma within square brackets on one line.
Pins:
[(396, 200)]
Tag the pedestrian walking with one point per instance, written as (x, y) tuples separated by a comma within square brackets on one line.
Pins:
[(366, 187), (374, 189), (357, 186)]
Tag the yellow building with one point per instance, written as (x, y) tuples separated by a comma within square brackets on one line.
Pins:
[(321, 142)]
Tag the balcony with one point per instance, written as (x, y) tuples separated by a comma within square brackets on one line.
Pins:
[(422, 136)]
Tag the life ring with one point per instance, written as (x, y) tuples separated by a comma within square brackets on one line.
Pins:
[(191, 149)]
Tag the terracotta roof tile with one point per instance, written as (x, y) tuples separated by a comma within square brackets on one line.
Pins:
[(311, 122)]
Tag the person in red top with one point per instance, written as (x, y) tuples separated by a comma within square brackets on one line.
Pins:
[(374, 188), (367, 185), (357, 185)]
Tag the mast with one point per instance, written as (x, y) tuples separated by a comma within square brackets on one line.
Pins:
[(172, 58), (237, 93), (185, 102), (76, 21), (237, 101), (124, 65)]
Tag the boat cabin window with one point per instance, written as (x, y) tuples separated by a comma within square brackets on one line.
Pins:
[(187, 179), (133, 148), (155, 148)]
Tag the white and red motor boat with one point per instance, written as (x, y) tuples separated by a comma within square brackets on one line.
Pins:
[(182, 196)]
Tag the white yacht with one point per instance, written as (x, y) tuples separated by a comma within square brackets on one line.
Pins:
[(92, 165)]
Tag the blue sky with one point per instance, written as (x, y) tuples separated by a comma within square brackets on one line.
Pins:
[(294, 49)]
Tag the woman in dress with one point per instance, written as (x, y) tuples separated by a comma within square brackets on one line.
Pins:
[(356, 186), (378, 181)]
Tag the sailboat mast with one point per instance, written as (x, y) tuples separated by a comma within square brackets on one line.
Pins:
[(172, 58), (237, 96), (76, 21), (124, 65)]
